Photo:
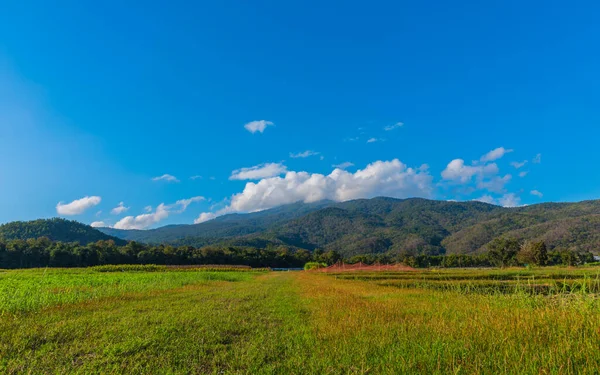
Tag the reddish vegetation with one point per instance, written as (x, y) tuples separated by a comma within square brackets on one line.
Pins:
[(341, 267)]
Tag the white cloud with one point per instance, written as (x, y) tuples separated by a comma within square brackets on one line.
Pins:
[(381, 178), (351, 139), (148, 208), (196, 177), (495, 184), (343, 165), (523, 174), (258, 126), (77, 206), (456, 170), (509, 200), (119, 209), (98, 224), (143, 221), (495, 154), (162, 212), (372, 140), (304, 154), (98, 213), (537, 193), (205, 216), (537, 159), (394, 126), (258, 171), (166, 177), (486, 199)]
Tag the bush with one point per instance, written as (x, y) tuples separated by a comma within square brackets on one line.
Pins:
[(314, 266)]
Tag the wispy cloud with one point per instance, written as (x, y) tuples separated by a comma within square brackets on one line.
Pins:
[(495, 154), (537, 193), (258, 171), (394, 126), (98, 224), (518, 164), (196, 177), (304, 154), (537, 159), (166, 177), (258, 126), (372, 140), (343, 165)]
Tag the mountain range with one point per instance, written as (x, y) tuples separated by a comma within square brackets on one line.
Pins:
[(377, 225)]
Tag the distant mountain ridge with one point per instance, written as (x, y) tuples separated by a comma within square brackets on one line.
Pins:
[(382, 224), (377, 225)]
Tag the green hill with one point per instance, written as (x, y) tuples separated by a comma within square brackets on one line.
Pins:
[(56, 230)]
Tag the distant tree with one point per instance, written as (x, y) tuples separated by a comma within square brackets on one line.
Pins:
[(331, 257), (533, 252), (502, 251)]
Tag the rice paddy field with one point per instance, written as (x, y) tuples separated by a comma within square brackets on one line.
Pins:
[(159, 320)]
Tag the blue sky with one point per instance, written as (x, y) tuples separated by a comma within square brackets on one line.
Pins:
[(97, 100)]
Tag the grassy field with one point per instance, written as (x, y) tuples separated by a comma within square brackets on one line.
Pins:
[(544, 321)]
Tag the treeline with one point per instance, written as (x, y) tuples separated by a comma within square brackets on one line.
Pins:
[(502, 252), (43, 252)]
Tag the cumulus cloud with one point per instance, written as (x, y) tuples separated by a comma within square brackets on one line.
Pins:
[(537, 159), (537, 193), (258, 126), (495, 184), (518, 164), (304, 154), (166, 177), (456, 170), (143, 221), (162, 212), (509, 200), (258, 171), (98, 224), (78, 206), (119, 209), (388, 178), (394, 126), (205, 216), (486, 199), (343, 165), (495, 154)]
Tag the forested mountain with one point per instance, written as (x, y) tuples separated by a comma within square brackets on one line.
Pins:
[(365, 226), (223, 227), (55, 230)]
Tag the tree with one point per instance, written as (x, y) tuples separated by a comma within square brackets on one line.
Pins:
[(502, 251), (533, 252)]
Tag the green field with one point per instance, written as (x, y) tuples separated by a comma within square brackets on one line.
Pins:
[(514, 321)]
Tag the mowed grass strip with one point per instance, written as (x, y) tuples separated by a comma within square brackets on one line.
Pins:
[(253, 326), (364, 328), (29, 290)]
